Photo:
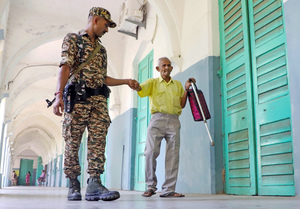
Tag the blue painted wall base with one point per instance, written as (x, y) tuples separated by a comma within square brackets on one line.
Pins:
[(200, 169), (121, 151), (292, 17)]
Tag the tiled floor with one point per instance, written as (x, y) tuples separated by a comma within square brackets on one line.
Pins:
[(20, 197)]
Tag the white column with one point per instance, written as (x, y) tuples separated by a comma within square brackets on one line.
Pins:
[(5, 157), (4, 148), (2, 139), (6, 164)]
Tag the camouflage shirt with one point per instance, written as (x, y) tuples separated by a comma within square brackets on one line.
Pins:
[(76, 48)]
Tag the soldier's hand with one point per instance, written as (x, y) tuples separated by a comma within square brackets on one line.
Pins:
[(136, 86), (188, 83), (132, 84), (58, 107)]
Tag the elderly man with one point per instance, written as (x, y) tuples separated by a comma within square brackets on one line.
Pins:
[(167, 98), (90, 109)]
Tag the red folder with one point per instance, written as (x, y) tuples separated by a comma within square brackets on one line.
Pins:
[(199, 107), (195, 107)]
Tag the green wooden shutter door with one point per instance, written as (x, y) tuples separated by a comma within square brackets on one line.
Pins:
[(54, 172), (143, 118), (238, 124), (39, 168), (82, 157), (60, 169), (25, 166), (272, 99)]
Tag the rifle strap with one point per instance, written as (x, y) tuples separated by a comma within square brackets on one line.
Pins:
[(71, 77)]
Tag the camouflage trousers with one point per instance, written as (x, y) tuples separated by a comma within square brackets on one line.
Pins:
[(92, 114)]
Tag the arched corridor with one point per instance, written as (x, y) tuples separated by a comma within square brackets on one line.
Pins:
[(30, 53), (244, 56)]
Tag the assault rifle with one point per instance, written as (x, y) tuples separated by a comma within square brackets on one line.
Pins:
[(50, 102)]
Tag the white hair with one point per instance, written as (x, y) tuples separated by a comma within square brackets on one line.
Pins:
[(162, 58)]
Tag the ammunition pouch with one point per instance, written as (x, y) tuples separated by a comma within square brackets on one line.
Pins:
[(80, 90), (69, 97)]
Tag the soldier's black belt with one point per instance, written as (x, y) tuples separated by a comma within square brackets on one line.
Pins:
[(82, 92), (79, 92), (104, 90)]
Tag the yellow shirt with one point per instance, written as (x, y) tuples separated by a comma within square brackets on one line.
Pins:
[(164, 97)]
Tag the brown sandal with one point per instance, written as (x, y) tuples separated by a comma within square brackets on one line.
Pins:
[(172, 194), (148, 193)]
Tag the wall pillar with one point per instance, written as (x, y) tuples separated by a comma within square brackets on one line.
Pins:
[(2, 139)]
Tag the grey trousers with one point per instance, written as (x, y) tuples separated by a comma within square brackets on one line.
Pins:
[(163, 126)]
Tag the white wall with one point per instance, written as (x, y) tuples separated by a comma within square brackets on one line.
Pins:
[(199, 39), (197, 29), (200, 32)]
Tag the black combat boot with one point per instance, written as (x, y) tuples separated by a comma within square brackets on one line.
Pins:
[(74, 190), (96, 191)]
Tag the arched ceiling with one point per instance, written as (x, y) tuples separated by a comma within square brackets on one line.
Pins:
[(35, 30), (31, 55)]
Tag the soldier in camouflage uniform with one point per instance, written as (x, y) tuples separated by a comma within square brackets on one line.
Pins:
[(93, 113)]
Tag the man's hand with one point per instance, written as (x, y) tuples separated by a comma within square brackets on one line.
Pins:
[(63, 75), (133, 84), (188, 83), (187, 86), (58, 107)]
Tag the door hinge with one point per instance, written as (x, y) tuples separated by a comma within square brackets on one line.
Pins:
[(220, 72)]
